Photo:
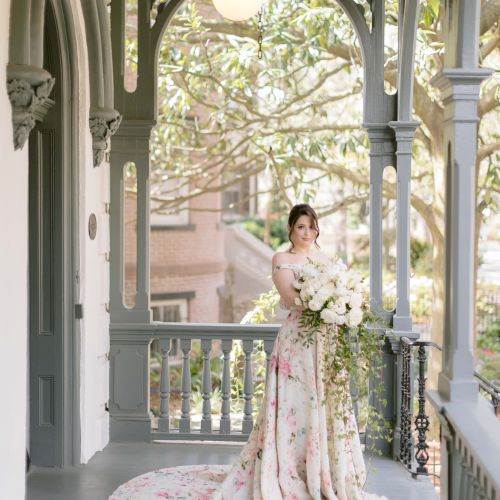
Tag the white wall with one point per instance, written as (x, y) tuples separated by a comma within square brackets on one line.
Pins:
[(94, 272), (13, 290)]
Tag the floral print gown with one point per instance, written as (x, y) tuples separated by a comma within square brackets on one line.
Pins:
[(297, 450)]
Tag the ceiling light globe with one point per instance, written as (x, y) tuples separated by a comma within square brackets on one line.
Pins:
[(238, 10)]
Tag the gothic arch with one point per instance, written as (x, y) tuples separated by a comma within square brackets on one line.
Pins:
[(29, 87)]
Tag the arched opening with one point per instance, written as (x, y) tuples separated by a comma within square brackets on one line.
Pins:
[(250, 137), (130, 409)]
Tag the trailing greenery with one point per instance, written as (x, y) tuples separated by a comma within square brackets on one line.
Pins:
[(353, 361)]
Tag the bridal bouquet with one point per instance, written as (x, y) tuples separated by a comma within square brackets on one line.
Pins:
[(336, 314), (331, 293)]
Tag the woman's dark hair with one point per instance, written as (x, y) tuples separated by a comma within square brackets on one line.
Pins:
[(296, 212)]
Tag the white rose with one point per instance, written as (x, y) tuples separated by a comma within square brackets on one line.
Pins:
[(356, 300), (354, 317), (323, 293), (315, 305), (298, 284), (316, 283), (340, 320), (298, 302), (339, 307), (328, 316)]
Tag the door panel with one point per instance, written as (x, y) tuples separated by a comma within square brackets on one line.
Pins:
[(47, 261)]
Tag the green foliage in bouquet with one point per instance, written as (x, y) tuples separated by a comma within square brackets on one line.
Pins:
[(352, 365)]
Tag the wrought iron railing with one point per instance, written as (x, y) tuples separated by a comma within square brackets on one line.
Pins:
[(490, 389), (414, 427), (414, 455)]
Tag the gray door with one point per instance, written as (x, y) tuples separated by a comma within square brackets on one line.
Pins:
[(50, 264)]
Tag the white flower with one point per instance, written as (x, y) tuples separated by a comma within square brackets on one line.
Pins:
[(354, 317), (324, 293), (297, 284), (298, 302), (356, 300), (340, 320), (328, 316), (315, 305), (339, 307)]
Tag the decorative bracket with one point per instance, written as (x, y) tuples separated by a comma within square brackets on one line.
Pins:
[(28, 88), (103, 124)]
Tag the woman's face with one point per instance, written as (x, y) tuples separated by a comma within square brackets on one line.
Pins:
[(304, 232)]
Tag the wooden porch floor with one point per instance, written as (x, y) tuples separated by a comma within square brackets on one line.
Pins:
[(119, 462)]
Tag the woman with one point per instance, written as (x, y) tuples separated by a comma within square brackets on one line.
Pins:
[(292, 452)]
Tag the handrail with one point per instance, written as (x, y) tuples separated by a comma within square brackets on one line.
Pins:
[(407, 455), (486, 385)]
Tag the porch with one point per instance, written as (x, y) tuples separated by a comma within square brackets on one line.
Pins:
[(119, 462)]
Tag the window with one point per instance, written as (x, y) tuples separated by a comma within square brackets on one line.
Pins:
[(178, 218), (169, 311)]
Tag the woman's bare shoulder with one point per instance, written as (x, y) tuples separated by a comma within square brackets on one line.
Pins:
[(281, 258)]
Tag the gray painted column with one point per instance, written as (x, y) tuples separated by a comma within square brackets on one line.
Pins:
[(404, 131), (143, 233), (131, 143), (94, 47), (37, 23), (107, 54), (116, 235), (104, 120), (381, 155), (19, 35), (460, 91), (459, 84)]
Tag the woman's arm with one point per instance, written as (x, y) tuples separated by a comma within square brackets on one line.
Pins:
[(283, 279)]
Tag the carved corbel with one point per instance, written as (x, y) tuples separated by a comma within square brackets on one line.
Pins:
[(103, 124), (29, 89)]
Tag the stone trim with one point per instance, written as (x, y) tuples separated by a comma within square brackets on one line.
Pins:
[(171, 270), (28, 88), (173, 296), (173, 227), (103, 123)]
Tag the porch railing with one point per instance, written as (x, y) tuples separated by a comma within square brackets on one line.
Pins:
[(207, 334), (470, 433), (129, 403)]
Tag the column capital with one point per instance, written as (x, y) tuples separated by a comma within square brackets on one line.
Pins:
[(103, 123), (404, 132), (380, 131), (450, 78), (404, 129), (28, 88)]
